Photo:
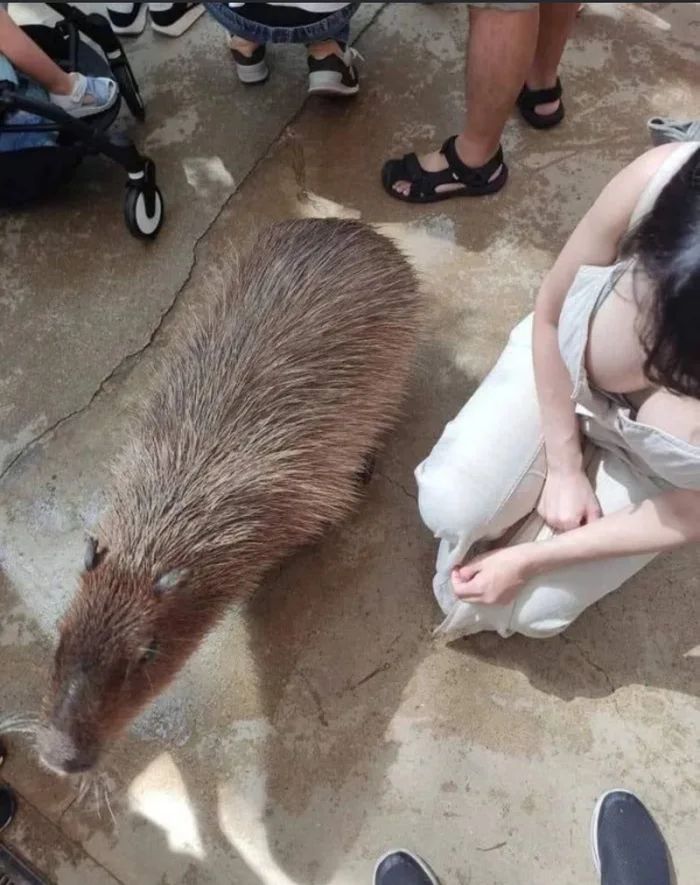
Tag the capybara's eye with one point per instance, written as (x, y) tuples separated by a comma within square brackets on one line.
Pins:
[(149, 653)]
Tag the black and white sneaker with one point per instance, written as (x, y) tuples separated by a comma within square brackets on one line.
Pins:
[(403, 868), (627, 846), (174, 19), (253, 68), (334, 75), (127, 19)]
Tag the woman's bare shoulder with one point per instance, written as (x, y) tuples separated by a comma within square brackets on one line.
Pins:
[(624, 190)]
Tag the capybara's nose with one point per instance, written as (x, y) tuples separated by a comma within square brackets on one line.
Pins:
[(59, 753)]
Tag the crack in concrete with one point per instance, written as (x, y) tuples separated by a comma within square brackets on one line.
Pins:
[(382, 668), (576, 151), (568, 640), (132, 356), (121, 365), (396, 484), (322, 718), (77, 845)]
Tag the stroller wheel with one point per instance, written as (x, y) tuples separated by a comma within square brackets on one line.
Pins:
[(128, 87), (142, 223)]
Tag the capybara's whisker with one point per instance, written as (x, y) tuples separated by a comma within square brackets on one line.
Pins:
[(96, 798), (87, 781), (19, 723), (105, 792)]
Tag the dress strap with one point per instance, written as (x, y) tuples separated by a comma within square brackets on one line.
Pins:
[(660, 179)]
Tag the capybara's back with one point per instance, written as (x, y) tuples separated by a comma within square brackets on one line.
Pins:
[(269, 404), (248, 447)]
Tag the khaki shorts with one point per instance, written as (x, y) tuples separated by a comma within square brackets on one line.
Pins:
[(506, 7)]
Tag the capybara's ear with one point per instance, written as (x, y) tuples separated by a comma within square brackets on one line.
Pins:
[(170, 581), (94, 554)]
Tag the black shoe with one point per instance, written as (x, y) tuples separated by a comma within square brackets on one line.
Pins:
[(628, 848), (174, 19), (127, 19), (8, 805), (334, 75), (403, 868)]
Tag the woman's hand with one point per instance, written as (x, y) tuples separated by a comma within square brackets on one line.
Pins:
[(665, 522), (494, 578), (568, 501)]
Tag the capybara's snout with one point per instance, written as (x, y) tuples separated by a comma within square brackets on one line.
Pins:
[(62, 754)]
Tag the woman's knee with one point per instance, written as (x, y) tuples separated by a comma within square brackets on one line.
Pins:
[(449, 504), (544, 611)]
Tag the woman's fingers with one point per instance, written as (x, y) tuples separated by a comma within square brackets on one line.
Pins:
[(466, 583), (464, 573)]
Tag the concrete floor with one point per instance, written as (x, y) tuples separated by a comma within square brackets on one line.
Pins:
[(323, 725)]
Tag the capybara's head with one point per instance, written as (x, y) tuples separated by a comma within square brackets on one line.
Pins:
[(122, 640)]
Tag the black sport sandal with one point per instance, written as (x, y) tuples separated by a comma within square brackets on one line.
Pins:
[(476, 181), (530, 98)]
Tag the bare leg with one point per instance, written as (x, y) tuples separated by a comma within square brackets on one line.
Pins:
[(325, 48), (32, 61), (499, 53), (556, 21), (245, 47), (318, 50), (500, 49)]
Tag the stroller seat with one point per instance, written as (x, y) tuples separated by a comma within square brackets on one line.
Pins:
[(30, 174)]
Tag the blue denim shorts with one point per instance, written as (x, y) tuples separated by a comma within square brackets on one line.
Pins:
[(335, 26), (17, 141)]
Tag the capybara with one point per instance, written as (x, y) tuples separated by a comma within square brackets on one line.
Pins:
[(263, 413)]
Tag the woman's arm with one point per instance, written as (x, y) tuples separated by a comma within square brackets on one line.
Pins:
[(568, 499), (666, 522), (662, 523)]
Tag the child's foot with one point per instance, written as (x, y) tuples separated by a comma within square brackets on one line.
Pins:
[(173, 19), (331, 70), (249, 58), (88, 96)]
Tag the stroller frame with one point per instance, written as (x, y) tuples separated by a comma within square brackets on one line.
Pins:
[(143, 206)]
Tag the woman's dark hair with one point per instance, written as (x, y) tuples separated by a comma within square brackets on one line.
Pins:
[(665, 246)]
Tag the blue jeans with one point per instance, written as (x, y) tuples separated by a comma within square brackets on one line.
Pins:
[(335, 26), (16, 141)]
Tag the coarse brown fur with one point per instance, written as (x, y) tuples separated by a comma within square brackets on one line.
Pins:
[(248, 448)]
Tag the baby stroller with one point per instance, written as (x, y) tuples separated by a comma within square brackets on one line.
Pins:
[(31, 173)]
